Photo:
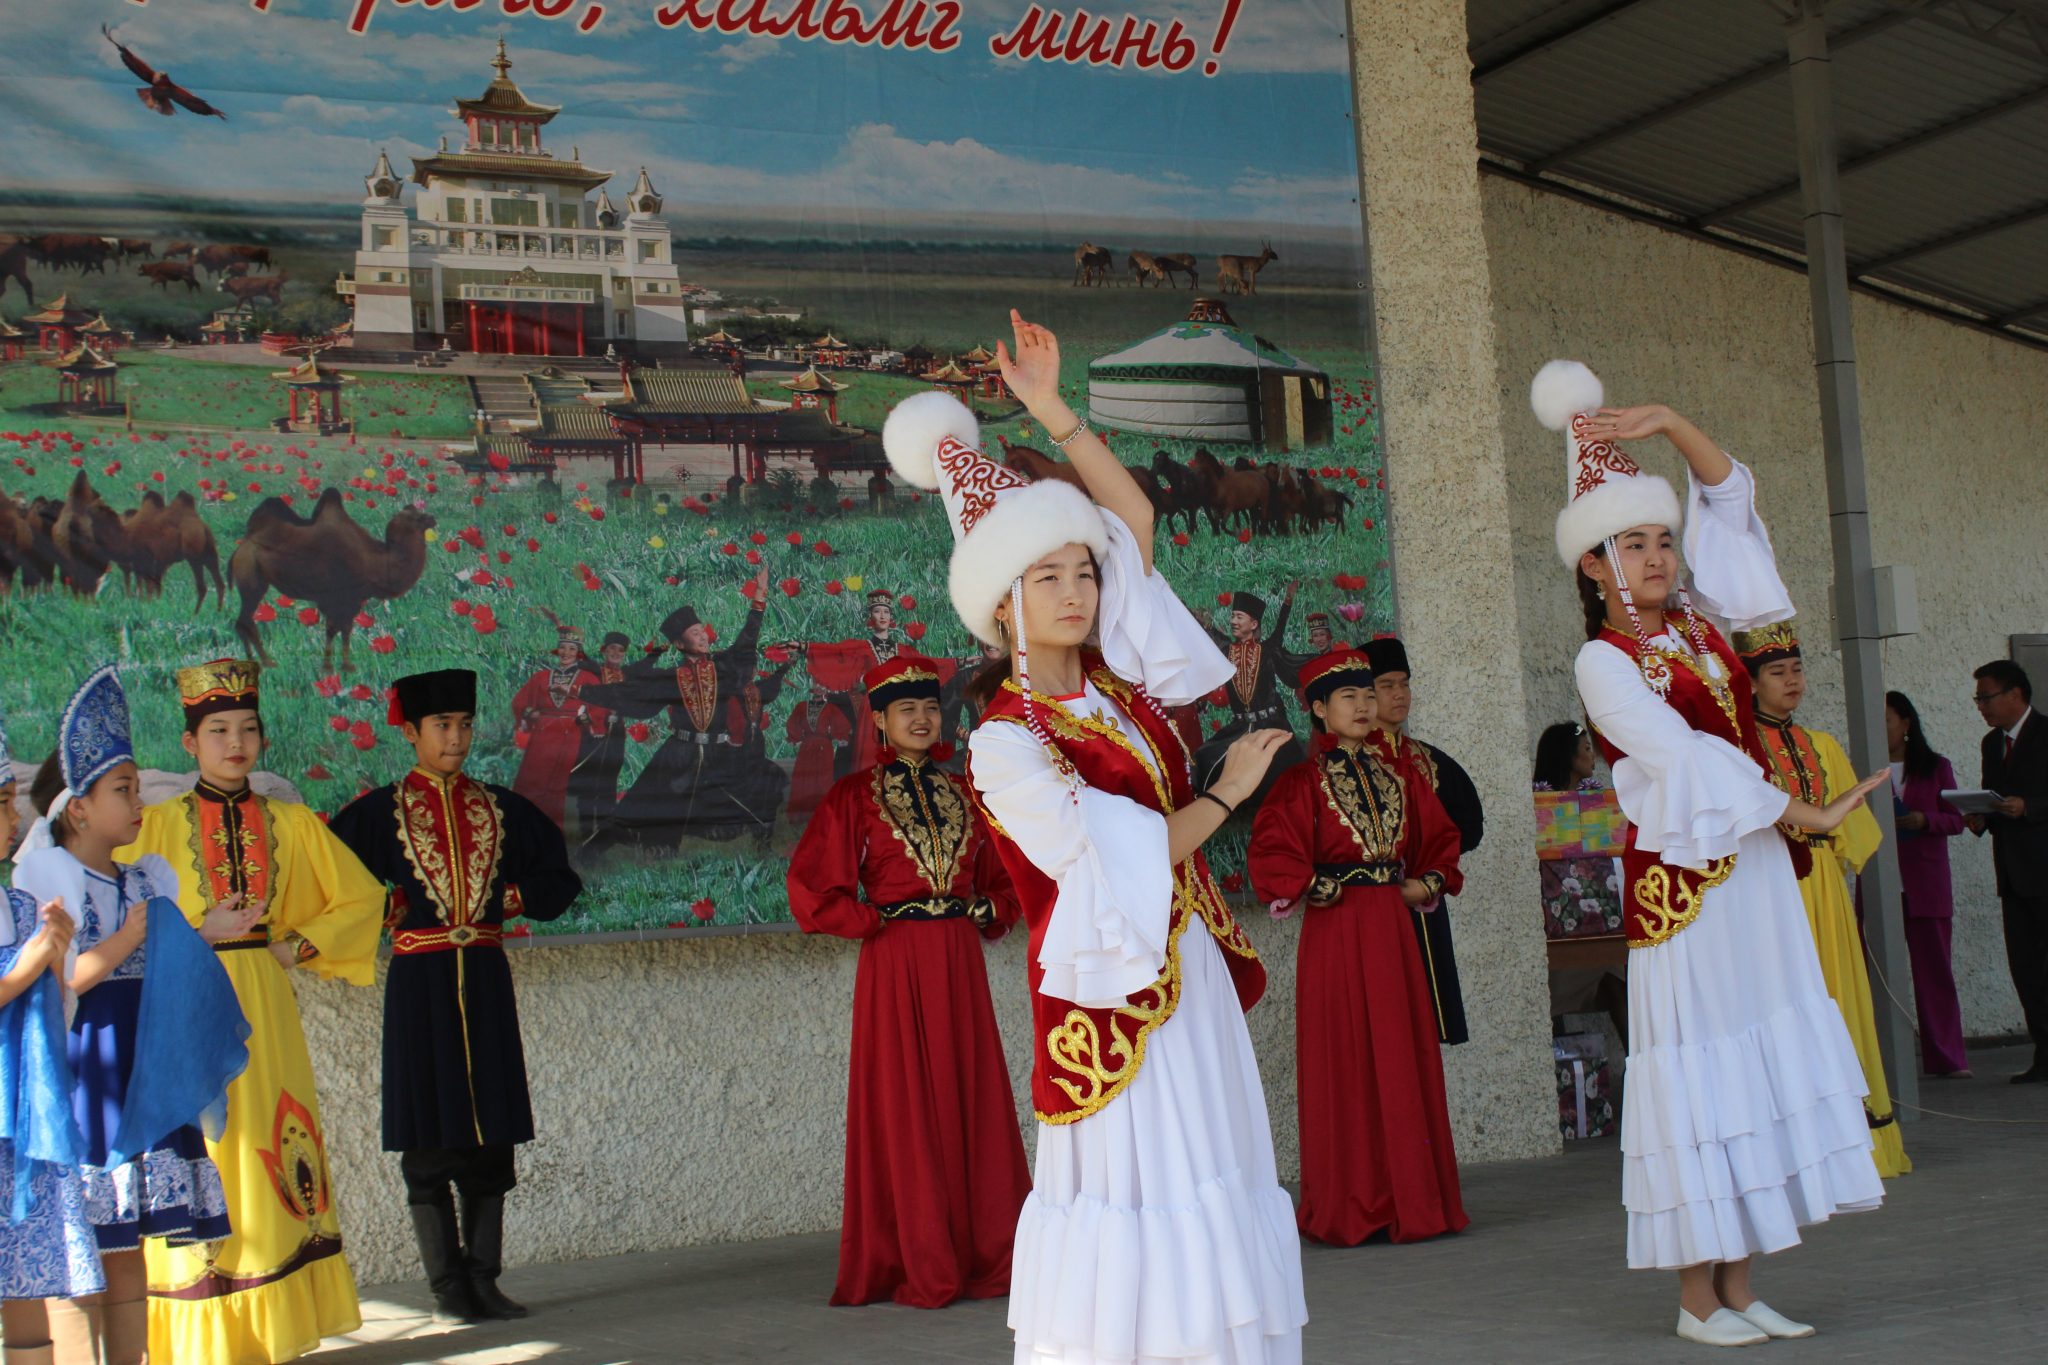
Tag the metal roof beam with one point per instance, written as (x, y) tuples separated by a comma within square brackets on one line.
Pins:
[(2018, 28), (2032, 214), (1548, 39), (1879, 155), (2025, 313), (1699, 99)]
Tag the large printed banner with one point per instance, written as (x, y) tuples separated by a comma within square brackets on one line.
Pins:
[(552, 338)]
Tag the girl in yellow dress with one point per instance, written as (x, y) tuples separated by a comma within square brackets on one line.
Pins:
[(1811, 766), (280, 1283)]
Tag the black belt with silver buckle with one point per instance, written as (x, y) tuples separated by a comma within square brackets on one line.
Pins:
[(930, 908)]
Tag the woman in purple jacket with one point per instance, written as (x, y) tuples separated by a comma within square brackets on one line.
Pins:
[(1926, 824)]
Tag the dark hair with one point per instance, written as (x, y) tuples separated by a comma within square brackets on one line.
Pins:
[(44, 791), (1920, 755), (1556, 752), (2006, 673), (987, 681), (1590, 602)]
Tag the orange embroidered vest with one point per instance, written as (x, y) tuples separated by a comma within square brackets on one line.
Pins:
[(1662, 899), (1085, 1057)]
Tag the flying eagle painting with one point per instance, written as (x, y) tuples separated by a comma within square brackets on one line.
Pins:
[(162, 93)]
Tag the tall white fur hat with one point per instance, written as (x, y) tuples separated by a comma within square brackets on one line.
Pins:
[(1002, 522), (1608, 492)]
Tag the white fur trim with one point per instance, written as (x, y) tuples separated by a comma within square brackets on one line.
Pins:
[(1561, 391), (1024, 526), (1623, 501), (911, 435)]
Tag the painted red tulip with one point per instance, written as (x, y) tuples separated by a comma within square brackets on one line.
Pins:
[(1222, 599), (337, 722), (790, 587), (264, 613), (1233, 882), (1180, 538), (460, 607), (364, 620), (729, 548), (704, 909), (383, 644), (915, 630), (753, 556), (549, 517), (759, 537), (1244, 536)]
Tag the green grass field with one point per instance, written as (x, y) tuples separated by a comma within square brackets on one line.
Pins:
[(327, 725)]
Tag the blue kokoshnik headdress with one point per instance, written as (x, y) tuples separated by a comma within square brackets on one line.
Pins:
[(92, 740)]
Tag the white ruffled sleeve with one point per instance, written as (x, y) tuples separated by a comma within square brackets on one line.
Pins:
[(1108, 855), (1147, 634), (1690, 795), (1734, 570)]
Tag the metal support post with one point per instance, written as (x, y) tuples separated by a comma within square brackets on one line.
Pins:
[(1856, 615)]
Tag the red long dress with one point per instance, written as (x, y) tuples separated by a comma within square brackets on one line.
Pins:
[(549, 711), (935, 1171), (1376, 1150), (817, 729)]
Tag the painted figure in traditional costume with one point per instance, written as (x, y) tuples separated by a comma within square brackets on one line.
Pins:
[(1150, 1110), (1358, 843), (459, 858), (839, 666), (601, 754), (156, 1033), (1259, 668), (818, 727), (897, 857), (693, 784), (48, 1247), (552, 723), (1744, 1119), (763, 784), (1810, 765), (1453, 787), (281, 1282)]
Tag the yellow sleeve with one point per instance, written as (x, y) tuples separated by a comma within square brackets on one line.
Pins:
[(326, 896), (167, 832), (1858, 838)]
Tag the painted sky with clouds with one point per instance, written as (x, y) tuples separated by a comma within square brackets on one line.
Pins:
[(720, 123)]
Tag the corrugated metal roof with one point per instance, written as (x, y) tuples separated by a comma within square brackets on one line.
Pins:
[(1683, 108)]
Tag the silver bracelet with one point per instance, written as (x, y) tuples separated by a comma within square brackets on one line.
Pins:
[(1080, 425)]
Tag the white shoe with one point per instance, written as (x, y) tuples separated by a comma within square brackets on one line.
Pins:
[(1723, 1327), (1769, 1320)]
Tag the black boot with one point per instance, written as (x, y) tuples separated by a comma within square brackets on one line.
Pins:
[(483, 1233), (433, 1226)]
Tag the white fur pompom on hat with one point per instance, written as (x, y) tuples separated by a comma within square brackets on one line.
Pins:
[(1561, 391), (914, 428)]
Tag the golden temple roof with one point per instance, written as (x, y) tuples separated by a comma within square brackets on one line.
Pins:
[(83, 359), (810, 381), (501, 97)]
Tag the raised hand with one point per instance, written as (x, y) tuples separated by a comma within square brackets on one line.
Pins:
[(1032, 371), (1629, 424)]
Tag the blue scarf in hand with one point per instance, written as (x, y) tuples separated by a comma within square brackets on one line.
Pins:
[(190, 1038)]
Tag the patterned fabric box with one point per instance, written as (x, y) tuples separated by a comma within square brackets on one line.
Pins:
[(1581, 897), (1585, 1086)]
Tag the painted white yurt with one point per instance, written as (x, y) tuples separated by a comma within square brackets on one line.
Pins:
[(1207, 379)]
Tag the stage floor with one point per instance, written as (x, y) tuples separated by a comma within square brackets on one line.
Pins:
[(1951, 1268)]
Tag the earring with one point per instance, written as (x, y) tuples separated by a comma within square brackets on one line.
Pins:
[(1600, 592)]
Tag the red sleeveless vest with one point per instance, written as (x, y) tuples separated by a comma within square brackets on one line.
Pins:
[(1083, 1058), (1662, 899)]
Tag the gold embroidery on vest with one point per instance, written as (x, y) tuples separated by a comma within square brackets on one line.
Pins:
[(1672, 897), (932, 826)]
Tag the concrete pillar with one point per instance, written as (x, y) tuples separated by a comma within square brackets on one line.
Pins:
[(1447, 482)]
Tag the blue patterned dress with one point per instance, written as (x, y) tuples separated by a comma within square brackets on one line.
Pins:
[(52, 1253), (173, 1190)]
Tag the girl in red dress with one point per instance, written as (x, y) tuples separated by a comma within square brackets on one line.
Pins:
[(817, 728), (1362, 842), (552, 721), (896, 857)]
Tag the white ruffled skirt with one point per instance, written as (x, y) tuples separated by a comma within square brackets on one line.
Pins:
[(1743, 1118), (1157, 1232)]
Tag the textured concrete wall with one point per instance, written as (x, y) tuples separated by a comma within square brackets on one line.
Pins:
[(1952, 424), (1448, 485)]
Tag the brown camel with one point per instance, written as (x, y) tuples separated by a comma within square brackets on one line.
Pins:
[(158, 536), (82, 533), (325, 559), (15, 255)]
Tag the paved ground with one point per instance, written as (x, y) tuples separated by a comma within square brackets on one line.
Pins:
[(1955, 1266)]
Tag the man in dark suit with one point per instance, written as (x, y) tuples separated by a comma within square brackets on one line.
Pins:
[(2016, 767)]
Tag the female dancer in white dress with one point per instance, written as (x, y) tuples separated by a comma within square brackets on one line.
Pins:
[(1744, 1119), (1158, 1231)]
